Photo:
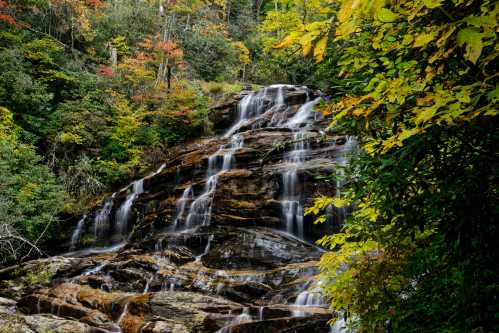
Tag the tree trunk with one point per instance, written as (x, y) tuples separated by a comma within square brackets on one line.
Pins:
[(169, 76), (113, 57)]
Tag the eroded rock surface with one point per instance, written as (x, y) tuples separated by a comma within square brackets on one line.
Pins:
[(213, 241)]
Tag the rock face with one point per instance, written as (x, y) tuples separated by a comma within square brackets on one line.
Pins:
[(215, 240)]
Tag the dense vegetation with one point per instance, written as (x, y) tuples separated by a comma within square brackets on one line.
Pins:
[(417, 84), (94, 92)]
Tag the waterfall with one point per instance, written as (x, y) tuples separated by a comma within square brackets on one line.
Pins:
[(194, 209), (291, 203), (122, 315), (187, 195), (304, 113), (161, 168), (200, 210), (341, 325), (242, 318), (123, 214), (75, 238), (250, 106), (101, 223), (96, 269), (308, 298), (341, 161), (206, 249), (148, 283), (280, 99)]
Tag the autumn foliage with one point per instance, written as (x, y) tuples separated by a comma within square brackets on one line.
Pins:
[(5, 16)]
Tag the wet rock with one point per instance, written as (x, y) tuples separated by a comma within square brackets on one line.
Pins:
[(51, 323), (164, 326), (283, 325), (256, 248), (237, 271), (194, 311)]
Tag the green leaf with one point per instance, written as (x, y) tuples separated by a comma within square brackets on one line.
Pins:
[(493, 96), (386, 15), (432, 3), (425, 114), (472, 39), (424, 38), (480, 21)]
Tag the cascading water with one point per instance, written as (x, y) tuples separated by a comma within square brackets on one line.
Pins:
[(250, 106), (181, 204), (308, 299), (242, 318), (101, 223), (206, 249), (123, 214), (266, 119), (292, 205), (75, 238), (221, 161), (341, 161)]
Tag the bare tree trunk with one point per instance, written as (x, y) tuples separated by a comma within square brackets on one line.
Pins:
[(113, 57), (169, 76), (167, 31)]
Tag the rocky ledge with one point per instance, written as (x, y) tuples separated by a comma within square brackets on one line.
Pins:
[(215, 240)]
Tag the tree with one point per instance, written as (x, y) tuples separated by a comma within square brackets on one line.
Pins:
[(421, 95), (30, 197), (171, 56)]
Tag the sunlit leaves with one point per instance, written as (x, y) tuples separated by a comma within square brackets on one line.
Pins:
[(425, 37), (472, 39), (386, 15), (320, 49), (417, 77), (322, 202)]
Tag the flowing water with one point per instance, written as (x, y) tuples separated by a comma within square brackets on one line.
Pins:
[(123, 214), (101, 223), (195, 210), (313, 298), (219, 162), (292, 201), (181, 204), (268, 110), (77, 233)]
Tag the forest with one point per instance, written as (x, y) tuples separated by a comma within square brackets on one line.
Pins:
[(249, 166)]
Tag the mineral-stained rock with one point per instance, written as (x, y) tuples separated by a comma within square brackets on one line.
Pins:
[(164, 326), (42, 323), (238, 271), (50, 323)]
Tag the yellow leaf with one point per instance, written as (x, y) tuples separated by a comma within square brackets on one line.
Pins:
[(425, 114), (287, 41), (432, 3), (320, 49), (472, 38), (306, 41), (424, 38), (347, 9), (386, 15), (407, 133)]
